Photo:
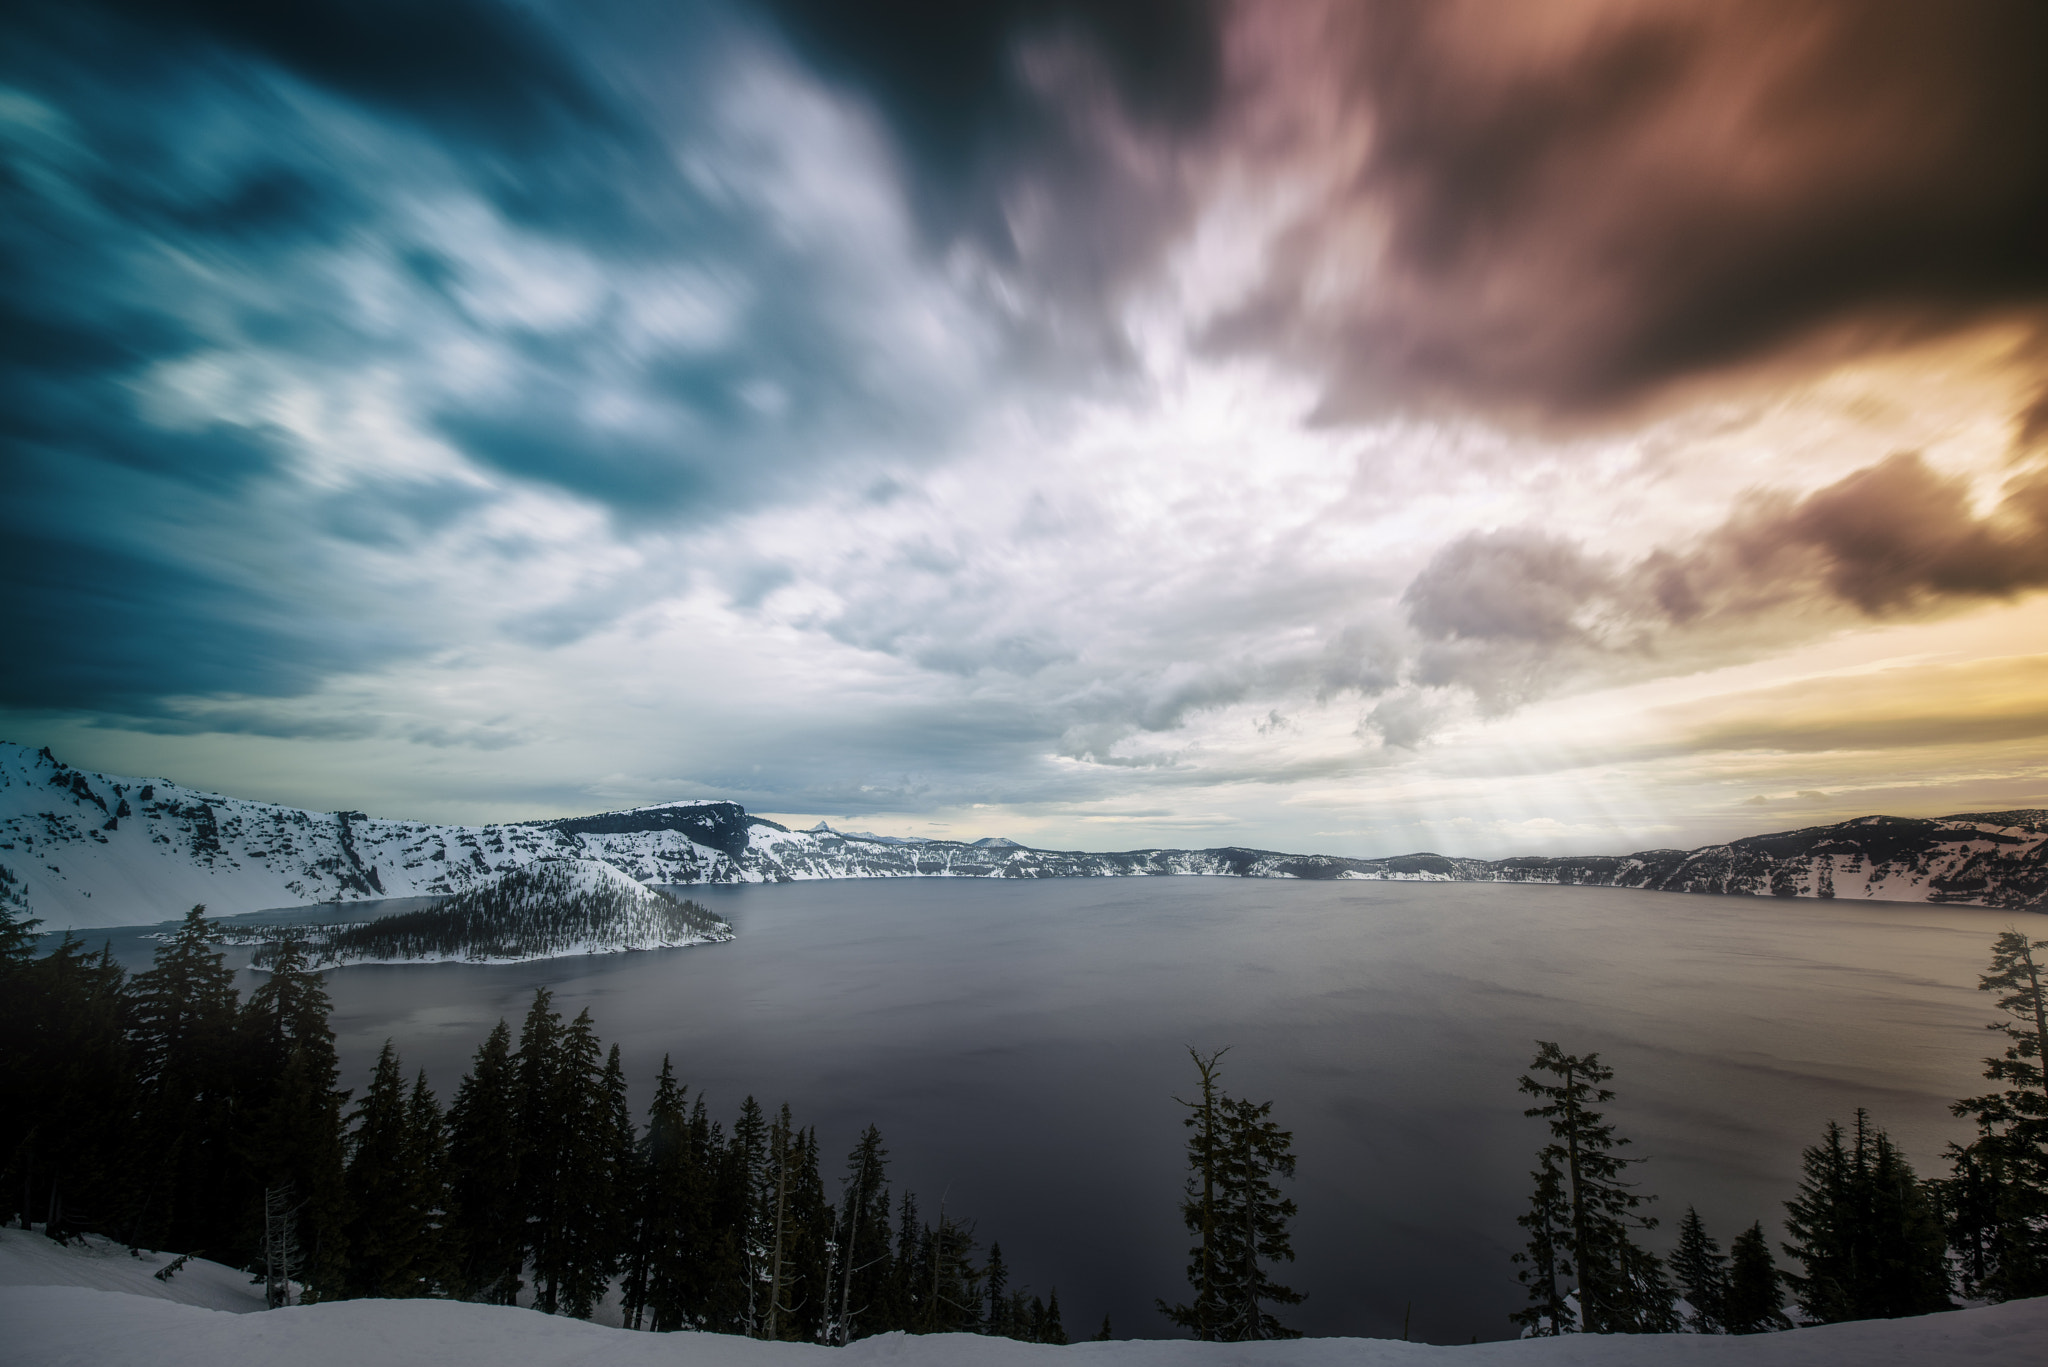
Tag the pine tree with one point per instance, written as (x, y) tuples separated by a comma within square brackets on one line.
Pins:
[(1252, 1222), (581, 1246), (866, 1276), (1995, 1203), (664, 1277), (1753, 1304), (620, 1160), (184, 1009), (817, 1247), (751, 1175), (997, 1278), (1864, 1231), (289, 1115), (426, 1171), (1204, 1313), (486, 1218), (1621, 1285), (1702, 1273), (1053, 1331), (545, 1145), (1547, 1264), (909, 1267), (67, 1089), (1237, 1215), (386, 1230), (1105, 1334)]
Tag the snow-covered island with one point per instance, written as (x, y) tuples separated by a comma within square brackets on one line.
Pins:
[(82, 849), (548, 910)]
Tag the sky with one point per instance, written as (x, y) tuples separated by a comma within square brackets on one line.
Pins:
[(1336, 427)]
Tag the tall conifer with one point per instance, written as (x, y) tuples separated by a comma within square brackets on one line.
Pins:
[(867, 1290), (1995, 1202), (1864, 1231), (544, 1145), (666, 1266), (487, 1218), (184, 1009), (1753, 1304), (387, 1236), (1621, 1285), (1701, 1270), (289, 1122), (1204, 1312)]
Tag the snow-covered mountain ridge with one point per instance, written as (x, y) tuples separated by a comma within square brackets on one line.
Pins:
[(85, 849)]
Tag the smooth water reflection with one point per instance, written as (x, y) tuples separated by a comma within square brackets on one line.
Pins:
[(1019, 1044)]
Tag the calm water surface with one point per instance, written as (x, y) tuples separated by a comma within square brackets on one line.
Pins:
[(1019, 1043)]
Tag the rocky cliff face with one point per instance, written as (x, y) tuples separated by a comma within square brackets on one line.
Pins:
[(84, 849)]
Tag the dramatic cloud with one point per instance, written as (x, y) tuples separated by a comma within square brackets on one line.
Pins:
[(1558, 209), (1511, 613), (1331, 425)]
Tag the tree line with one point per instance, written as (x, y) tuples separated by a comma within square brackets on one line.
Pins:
[(1870, 1238), (164, 1111)]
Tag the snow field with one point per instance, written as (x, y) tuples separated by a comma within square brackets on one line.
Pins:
[(95, 1306)]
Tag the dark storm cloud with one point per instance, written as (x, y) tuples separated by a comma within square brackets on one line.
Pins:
[(995, 105), (264, 193), (1508, 613), (97, 627), (1578, 204), (480, 69)]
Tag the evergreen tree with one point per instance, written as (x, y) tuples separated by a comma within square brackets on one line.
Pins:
[(1104, 1334), (867, 1301), (1702, 1273), (1995, 1202), (910, 1267), (1251, 1222), (66, 1088), (486, 1217), (426, 1173), (1235, 1212), (664, 1273), (751, 1177), (184, 1012), (1547, 1266), (546, 1145), (1753, 1304), (386, 1231), (581, 1246), (620, 1159), (1621, 1286), (17, 938), (1204, 1313), (997, 1279), (785, 1153), (817, 1250), (1864, 1231), (289, 1121), (1054, 1332)]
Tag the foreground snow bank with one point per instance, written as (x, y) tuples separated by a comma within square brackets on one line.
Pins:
[(51, 1325), (29, 1259)]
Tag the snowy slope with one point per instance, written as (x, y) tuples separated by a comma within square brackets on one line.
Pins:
[(83, 849), (49, 1326), (100, 1264)]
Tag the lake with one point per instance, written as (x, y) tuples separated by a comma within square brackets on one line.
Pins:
[(1020, 1043)]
